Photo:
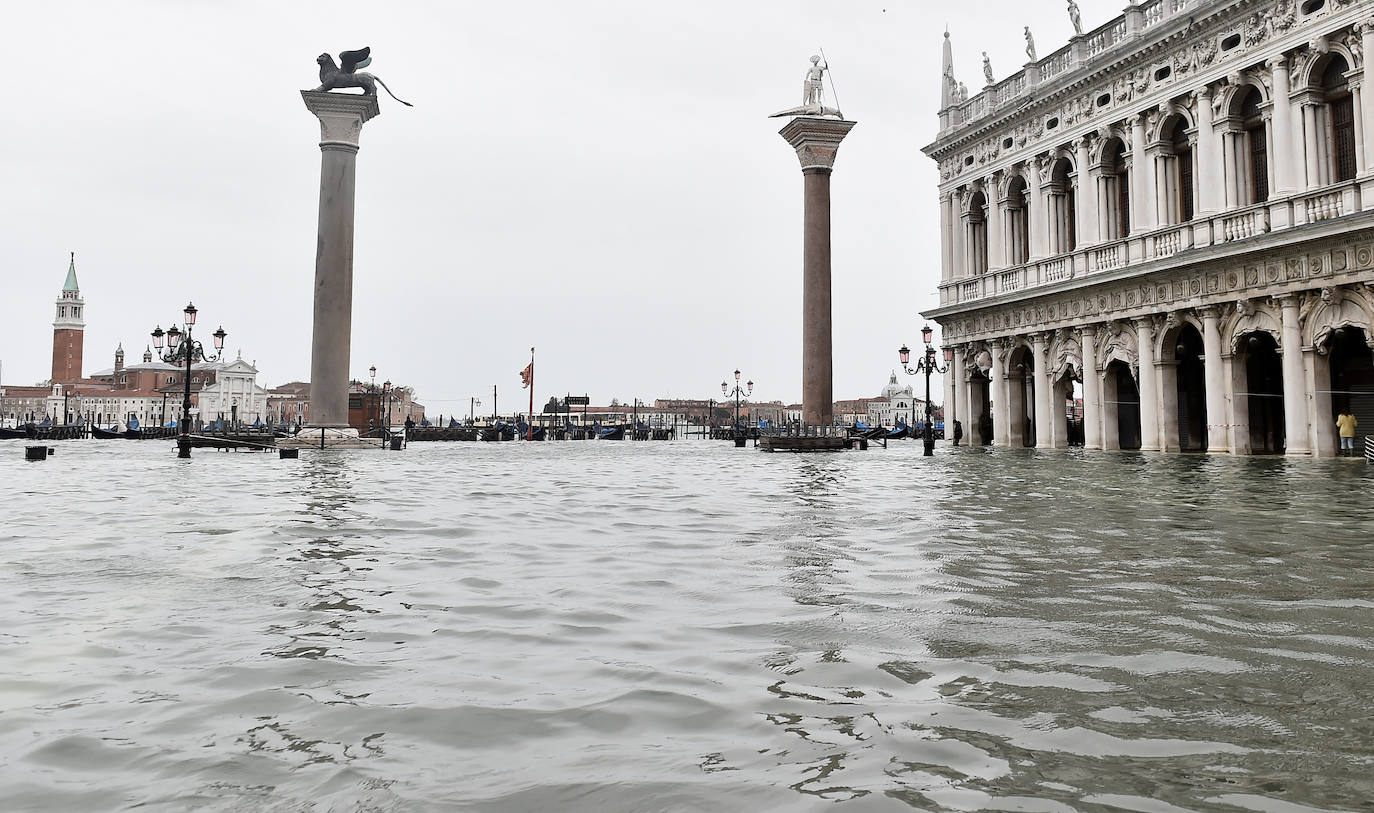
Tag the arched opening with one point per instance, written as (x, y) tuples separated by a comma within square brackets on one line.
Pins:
[(1120, 407), (1066, 410), (1021, 397), (1252, 147), (1191, 390), (1352, 380), (1116, 191), (1263, 392), (978, 233), (1178, 203), (979, 427), (1018, 221), (1062, 217), (1340, 124)]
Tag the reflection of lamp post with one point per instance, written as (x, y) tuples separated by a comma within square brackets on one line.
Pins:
[(926, 364), (386, 396), (737, 392), (181, 348)]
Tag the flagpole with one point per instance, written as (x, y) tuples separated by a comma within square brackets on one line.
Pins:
[(529, 419)]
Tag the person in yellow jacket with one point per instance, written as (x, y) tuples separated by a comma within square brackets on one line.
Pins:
[(1346, 423)]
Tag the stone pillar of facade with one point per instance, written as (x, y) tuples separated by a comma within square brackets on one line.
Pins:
[(1044, 418), (1092, 389), (1295, 423), (1311, 145), (1001, 407), (1142, 179), (1149, 385), (816, 141), (1366, 29), (946, 237), (1087, 196), (1217, 435), (972, 433), (341, 116), (958, 230), (1208, 155), (1035, 214), (952, 411), (997, 255), (1361, 164)]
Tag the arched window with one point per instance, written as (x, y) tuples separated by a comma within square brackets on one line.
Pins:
[(1256, 150), (978, 233), (1116, 197), (1340, 111), (1063, 229), (1018, 235), (1181, 174)]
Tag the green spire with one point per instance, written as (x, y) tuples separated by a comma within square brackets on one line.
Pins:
[(70, 284)]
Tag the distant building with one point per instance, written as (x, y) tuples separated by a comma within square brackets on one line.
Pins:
[(895, 404), (367, 408)]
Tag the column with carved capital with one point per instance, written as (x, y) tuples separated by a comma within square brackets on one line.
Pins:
[(1087, 195), (1149, 385), (1366, 113), (1001, 406), (1092, 389), (341, 116), (1044, 418), (1208, 155), (816, 141), (1142, 179), (1035, 211), (946, 237), (1294, 379), (992, 190), (1217, 434), (1285, 159)]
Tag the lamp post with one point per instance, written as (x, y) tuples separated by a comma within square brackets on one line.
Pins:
[(372, 390), (473, 403), (926, 364), (386, 396), (182, 348), (737, 392)]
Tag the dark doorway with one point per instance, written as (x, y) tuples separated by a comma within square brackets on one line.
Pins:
[(1352, 379), (1127, 405), (1192, 391), (1264, 392)]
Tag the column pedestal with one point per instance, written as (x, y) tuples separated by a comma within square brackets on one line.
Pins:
[(341, 116), (816, 141)]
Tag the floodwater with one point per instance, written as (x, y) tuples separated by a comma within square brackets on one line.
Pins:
[(683, 626)]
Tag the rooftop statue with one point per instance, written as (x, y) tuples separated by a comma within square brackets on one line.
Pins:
[(1030, 46), (333, 76), (987, 68), (813, 94), (1073, 16)]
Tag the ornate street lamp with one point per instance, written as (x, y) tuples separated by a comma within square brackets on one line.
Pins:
[(372, 391), (926, 364), (182, 349), (737, 391)]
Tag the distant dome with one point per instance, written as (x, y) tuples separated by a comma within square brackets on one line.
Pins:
[(893, 389)]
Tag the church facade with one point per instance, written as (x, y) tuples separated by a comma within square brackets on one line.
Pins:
[(1174, 216)]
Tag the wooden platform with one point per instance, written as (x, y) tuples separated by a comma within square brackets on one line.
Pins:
[(769, 443)]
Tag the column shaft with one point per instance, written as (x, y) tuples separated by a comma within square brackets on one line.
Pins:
[(1208, 158), (1294, 392), (1217, 436), (1035, 214), (997, 256), (1086, 196), (951, 395), (1366, 111), (1149, 386), (1282, 146), (817, 370), (1001, 409), (946, 238), (333, 326), (1092, 389), (1044, 417)]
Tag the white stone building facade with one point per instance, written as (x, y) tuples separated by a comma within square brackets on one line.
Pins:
[(895, 404), (1174, 213)]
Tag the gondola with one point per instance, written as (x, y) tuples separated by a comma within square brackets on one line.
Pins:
[(900, 432), (17, 433), (612, 433), (104, 434)]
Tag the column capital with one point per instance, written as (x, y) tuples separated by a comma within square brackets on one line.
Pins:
[(816, 140), (1144, 325), (1208, 311), (341, 116), (1286, 301), (1366, 26), (1278, 63)]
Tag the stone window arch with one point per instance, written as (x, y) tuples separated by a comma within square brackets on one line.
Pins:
[(978, 233), (1017, 221), (1116, 190)]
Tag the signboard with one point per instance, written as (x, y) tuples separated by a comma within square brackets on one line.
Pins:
[(577, 400)]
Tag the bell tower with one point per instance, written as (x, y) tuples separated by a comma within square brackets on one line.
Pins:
[(67, 330)]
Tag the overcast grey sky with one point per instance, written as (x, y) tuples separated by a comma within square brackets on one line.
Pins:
[(598, 179)]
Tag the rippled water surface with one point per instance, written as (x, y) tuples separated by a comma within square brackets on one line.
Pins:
[(683, 626)]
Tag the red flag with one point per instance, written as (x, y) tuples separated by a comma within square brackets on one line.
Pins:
[(527, 375)]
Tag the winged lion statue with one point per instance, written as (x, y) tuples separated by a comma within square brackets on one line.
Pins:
[(345, 74)]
